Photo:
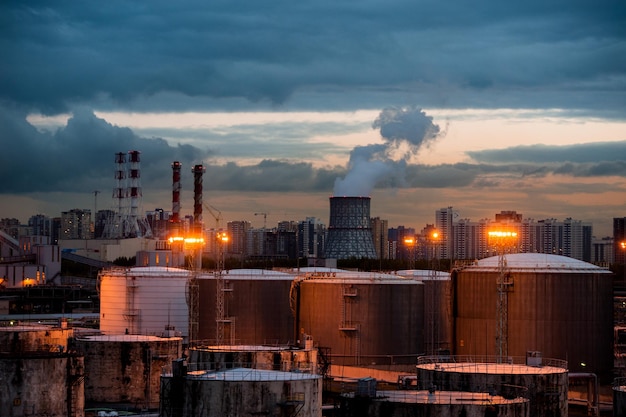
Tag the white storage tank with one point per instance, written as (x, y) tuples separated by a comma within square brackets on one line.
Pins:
[(144, 300)]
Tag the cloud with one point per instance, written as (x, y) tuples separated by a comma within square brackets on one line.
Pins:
[(318, 55), (80, 156), (538, 154)]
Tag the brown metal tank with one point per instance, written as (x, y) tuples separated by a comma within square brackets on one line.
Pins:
[(437, 308), (557, 305), (364, 318), (256, 308)]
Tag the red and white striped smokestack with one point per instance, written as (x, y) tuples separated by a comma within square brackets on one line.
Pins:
[(197, 170), (176, 166)]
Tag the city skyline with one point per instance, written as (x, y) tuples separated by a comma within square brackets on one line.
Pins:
[(483, 108)]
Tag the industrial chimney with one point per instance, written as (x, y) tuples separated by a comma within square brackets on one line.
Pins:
[(349, 229), (198, 171), (176, 166)]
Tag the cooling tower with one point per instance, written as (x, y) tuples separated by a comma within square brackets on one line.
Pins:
[(349, 229)]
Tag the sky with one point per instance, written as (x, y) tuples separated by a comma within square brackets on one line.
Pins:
[(481, 106)]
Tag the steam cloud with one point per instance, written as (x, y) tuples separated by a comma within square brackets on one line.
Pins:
[(404, 131)]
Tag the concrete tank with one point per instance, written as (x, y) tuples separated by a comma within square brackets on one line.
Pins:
[(42, 384), (545, 379), (241, 392), (619, 397), (275, 358), (256, 308), (364, 318), (144, 300), (35, 337), (126, 368), (557, 305), (437, 308)]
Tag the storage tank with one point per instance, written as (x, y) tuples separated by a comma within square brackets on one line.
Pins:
[(276, 358), (349, 229), (241, 392), (365, 318), (144, 300), (126, 369), (546, 380), (557, 305), (256, 308), (437, 308), (39, 383), (619, 397), (34, 337)]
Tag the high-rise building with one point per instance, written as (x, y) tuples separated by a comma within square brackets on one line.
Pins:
[(444, 222), (379, 234), (40, 225), (619, 239), (311, 238), (76, 224), (237, 237)]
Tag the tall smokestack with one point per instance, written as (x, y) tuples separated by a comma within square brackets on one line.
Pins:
[(198, 171), (349, 229), (176, 166)]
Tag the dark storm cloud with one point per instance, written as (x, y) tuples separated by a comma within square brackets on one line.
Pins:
[(80, 156), (322, 54)]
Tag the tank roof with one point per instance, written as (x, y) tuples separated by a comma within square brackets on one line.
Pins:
[(148, 271), (491, 368), (446, 397), (538, 261), (127, 338), (424, 274), (243, 274), (251, 375), (358, 277)]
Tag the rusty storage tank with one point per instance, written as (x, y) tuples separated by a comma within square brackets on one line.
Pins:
[(277, 358), (144, 300), (437, 308), (434, 403), (255, 308), (349, 229), (557, 305), (241, 392), (41, 383), (34, 337), (126, 369), (364, 318), (546, 380)]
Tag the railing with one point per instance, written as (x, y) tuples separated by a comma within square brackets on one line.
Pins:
[(489, 359)]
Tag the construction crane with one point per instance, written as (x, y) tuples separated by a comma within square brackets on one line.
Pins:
[(264, 218), (217, 217)]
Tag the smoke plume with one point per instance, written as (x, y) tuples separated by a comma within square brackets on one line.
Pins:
[(404, 132)]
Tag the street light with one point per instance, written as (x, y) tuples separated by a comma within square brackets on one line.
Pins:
[(410, 243)]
